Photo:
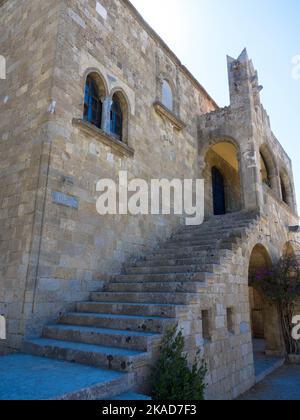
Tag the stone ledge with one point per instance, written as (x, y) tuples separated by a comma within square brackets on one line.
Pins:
[(166, 113), (98, 134)]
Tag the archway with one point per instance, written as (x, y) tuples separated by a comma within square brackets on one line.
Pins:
[(222, 179), (265, 324), (286, 189), (268, 168)]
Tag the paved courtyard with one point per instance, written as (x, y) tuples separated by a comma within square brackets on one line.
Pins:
[(283, 385)]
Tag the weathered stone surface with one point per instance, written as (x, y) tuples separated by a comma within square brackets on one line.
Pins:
[(53, 256)]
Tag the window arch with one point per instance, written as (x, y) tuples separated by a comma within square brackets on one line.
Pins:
[(94, 90), (269, 171), (286, 190), (167, 95), (265, 172), (119, 115), (116, 118)]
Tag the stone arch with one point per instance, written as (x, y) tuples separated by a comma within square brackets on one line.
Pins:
[(286, 189), (265, 323), (125, 108), (288, 250), (100, 80), (268, 167), (164, 77), (95, 90), (222, 156)]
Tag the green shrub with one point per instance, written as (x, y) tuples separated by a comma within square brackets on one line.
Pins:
[(173, 379)]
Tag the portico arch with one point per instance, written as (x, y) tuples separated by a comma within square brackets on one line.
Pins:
[(265, 323), (223, 193)]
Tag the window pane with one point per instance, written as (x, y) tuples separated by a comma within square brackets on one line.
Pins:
[(116, 119), (167, 96), (92, 103)]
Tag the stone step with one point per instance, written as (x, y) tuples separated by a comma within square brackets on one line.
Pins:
[(184, 269), (136, 309), (194, 249), (122, 360), (182, 287), (222, 225), (190, 243), (160, 277), (206, 237), (161, 262), (147, 297), (118, 322), (212, 257), (201, 242), (140, 341)]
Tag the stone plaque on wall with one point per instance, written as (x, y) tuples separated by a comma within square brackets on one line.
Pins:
[(65, 200)]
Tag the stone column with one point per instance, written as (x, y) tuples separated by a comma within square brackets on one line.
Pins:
[(250, 179), (106, 108)]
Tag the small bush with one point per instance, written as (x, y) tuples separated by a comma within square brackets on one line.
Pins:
[(173, 379)]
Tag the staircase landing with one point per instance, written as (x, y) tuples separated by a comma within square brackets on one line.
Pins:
[(25, 378)]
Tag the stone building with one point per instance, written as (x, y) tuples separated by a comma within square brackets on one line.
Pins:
[(91, 90)]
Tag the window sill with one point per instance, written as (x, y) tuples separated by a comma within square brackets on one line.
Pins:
[(164, 112), (98, 134)]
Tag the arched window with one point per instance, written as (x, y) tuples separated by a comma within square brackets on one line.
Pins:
[(116, 118), (92, 102), (167, 95), (286, 189), (265, 172)]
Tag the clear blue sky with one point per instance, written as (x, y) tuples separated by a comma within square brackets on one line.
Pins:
[(203, 32)]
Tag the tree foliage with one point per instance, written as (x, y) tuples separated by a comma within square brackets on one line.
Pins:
[(281, 285), (173, 379)]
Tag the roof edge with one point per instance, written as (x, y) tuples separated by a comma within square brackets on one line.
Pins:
[(168, 50)]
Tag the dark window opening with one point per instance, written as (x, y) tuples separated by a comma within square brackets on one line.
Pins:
[(206, 325), (284, 192), (116, 119), (230, 320), (92, 103)]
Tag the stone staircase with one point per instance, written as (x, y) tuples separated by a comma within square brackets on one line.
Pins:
[(120, 327)]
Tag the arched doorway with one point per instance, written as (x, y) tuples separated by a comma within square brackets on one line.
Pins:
[(218, 188), (222, 179), (265, 324)]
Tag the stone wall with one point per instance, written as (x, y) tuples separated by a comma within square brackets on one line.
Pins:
[(55, 247), (29, 49), (69, 252)]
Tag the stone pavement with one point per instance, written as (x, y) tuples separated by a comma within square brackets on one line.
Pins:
[(264, 365), (282, 385), (25, 377)]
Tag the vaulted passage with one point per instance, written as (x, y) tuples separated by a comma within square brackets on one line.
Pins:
[(264, 317), (222, 179)]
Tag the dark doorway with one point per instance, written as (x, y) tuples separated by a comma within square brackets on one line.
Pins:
[(218, 192)]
